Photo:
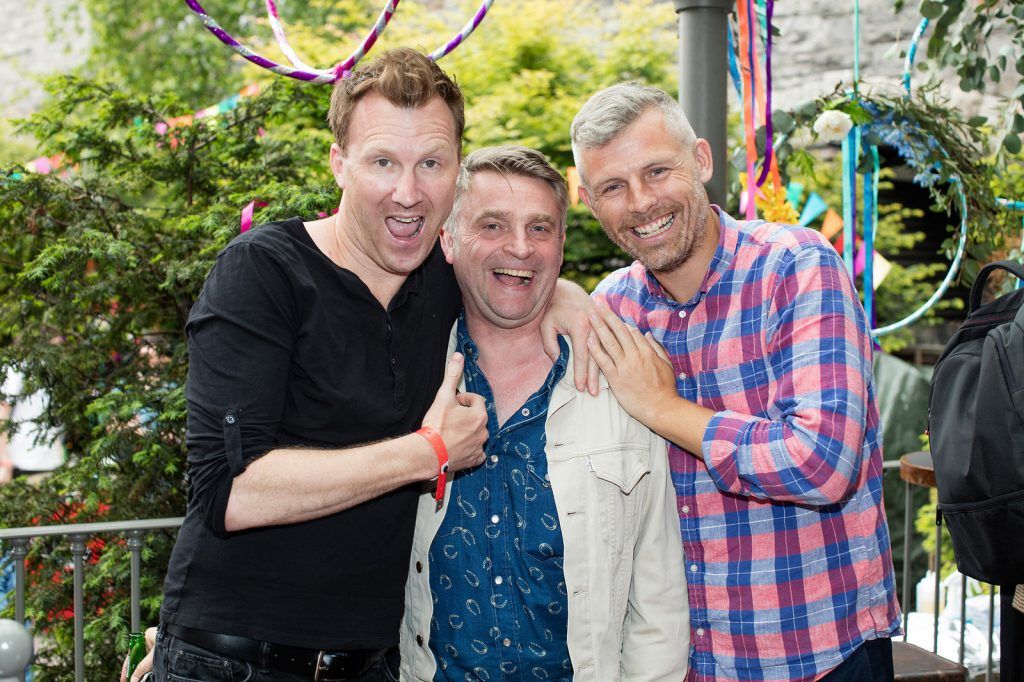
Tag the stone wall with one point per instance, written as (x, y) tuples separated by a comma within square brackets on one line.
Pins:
[(41, 38), (814, 53)]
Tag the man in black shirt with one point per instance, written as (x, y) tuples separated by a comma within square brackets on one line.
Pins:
[(308, 340)]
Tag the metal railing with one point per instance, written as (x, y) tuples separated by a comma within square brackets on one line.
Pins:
[(908, 524), (77, 534)]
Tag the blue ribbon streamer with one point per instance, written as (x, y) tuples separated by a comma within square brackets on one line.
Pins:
[(870, 224), (734, 70), (851, 147)]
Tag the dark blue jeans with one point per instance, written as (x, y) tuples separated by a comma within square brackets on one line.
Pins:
[(871, 662), (178, 661)]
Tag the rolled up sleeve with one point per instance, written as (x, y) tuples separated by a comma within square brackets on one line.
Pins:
[(809, 446), (241, 333)]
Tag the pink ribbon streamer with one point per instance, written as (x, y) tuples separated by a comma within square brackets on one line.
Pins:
[(246, 222)]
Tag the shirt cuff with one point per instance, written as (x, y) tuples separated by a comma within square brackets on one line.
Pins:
[(726, 433)]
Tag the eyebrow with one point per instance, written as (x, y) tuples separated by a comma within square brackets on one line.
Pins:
[(373, 151), (492, 213), (658, 163)]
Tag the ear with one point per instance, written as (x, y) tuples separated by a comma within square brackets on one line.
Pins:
[(561, 260), (585, 197), (338, 165), (702, 156), (447, 244)]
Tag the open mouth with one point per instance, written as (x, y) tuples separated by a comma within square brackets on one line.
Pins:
[(520, 278), (404, 228), (655, 227)]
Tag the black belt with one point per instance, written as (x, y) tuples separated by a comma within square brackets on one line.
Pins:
[(318, 665)]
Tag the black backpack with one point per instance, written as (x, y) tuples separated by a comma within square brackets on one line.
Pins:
[(976, 426)]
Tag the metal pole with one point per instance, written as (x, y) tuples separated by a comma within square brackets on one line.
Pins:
[(135, 548), (908, 519), (702, 79), (938, 579), (963, 616), (78, 557), (19, 549), (991, 630)]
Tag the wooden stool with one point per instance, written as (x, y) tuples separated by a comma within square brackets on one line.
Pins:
[(916, 469), (914, 664)]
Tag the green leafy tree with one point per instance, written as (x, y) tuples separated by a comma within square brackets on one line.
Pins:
[(961, 38), (163, 46), (107, 260)]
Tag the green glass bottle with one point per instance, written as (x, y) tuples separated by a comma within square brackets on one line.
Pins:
[(136, 651)]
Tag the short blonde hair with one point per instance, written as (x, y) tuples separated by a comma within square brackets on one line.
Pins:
[(610, 111), (404, 77), (510, 159)]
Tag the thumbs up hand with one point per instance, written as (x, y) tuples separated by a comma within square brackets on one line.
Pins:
[(460, 418)]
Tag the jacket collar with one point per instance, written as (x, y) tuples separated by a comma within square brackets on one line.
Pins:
[(563, 392)]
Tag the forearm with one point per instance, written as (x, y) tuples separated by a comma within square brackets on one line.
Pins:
[(678, 421), (294, 485), (810, 457), (802, 438)]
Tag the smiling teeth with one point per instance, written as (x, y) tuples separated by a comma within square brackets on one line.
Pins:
[(656, 227), (408, 220), (525, 274)]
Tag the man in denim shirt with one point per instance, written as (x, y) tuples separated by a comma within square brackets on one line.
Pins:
[(559, 557)]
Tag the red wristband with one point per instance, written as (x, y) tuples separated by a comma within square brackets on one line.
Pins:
[(436, 442)]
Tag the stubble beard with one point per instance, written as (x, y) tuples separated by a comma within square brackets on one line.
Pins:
[(693, 230)]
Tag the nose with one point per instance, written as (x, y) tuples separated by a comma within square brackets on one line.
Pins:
[(407, 189), (641, 198), (518, 245)]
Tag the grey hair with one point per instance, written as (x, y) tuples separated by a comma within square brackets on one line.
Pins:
[(508, 160), (610, 111)]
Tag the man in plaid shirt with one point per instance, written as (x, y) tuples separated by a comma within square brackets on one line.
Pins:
[(746, 347)]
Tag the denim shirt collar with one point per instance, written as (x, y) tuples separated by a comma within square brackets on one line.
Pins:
[(464, 344)]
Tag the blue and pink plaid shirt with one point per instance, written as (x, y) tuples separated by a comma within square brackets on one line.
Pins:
[(788, 560)]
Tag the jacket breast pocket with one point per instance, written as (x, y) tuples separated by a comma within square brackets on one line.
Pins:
[(617, 474)]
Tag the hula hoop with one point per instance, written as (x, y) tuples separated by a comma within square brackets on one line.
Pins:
[(461, 36), (311, 76), (302, 71), (908, 64), (954, 266), (282, 41)]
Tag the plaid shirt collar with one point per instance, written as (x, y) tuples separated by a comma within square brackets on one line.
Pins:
[(728, 241)]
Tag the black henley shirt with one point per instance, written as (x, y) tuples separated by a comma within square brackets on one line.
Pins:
[(287, 349)]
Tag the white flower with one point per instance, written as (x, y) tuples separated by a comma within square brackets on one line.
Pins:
[(833, 125)]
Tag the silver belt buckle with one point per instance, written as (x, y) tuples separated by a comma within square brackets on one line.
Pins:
[(320, 668)]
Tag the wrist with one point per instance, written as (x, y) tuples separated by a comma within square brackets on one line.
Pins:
[(423, 454), (441, 453)]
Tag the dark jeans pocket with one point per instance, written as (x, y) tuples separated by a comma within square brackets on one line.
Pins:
[(183, 662), (390, 664)]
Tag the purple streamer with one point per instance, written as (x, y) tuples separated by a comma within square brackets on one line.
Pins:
[(464, 33), (339, 71), (314, 76), (769, 133)]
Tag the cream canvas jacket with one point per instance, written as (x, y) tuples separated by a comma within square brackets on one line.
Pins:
[(628, 611)]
